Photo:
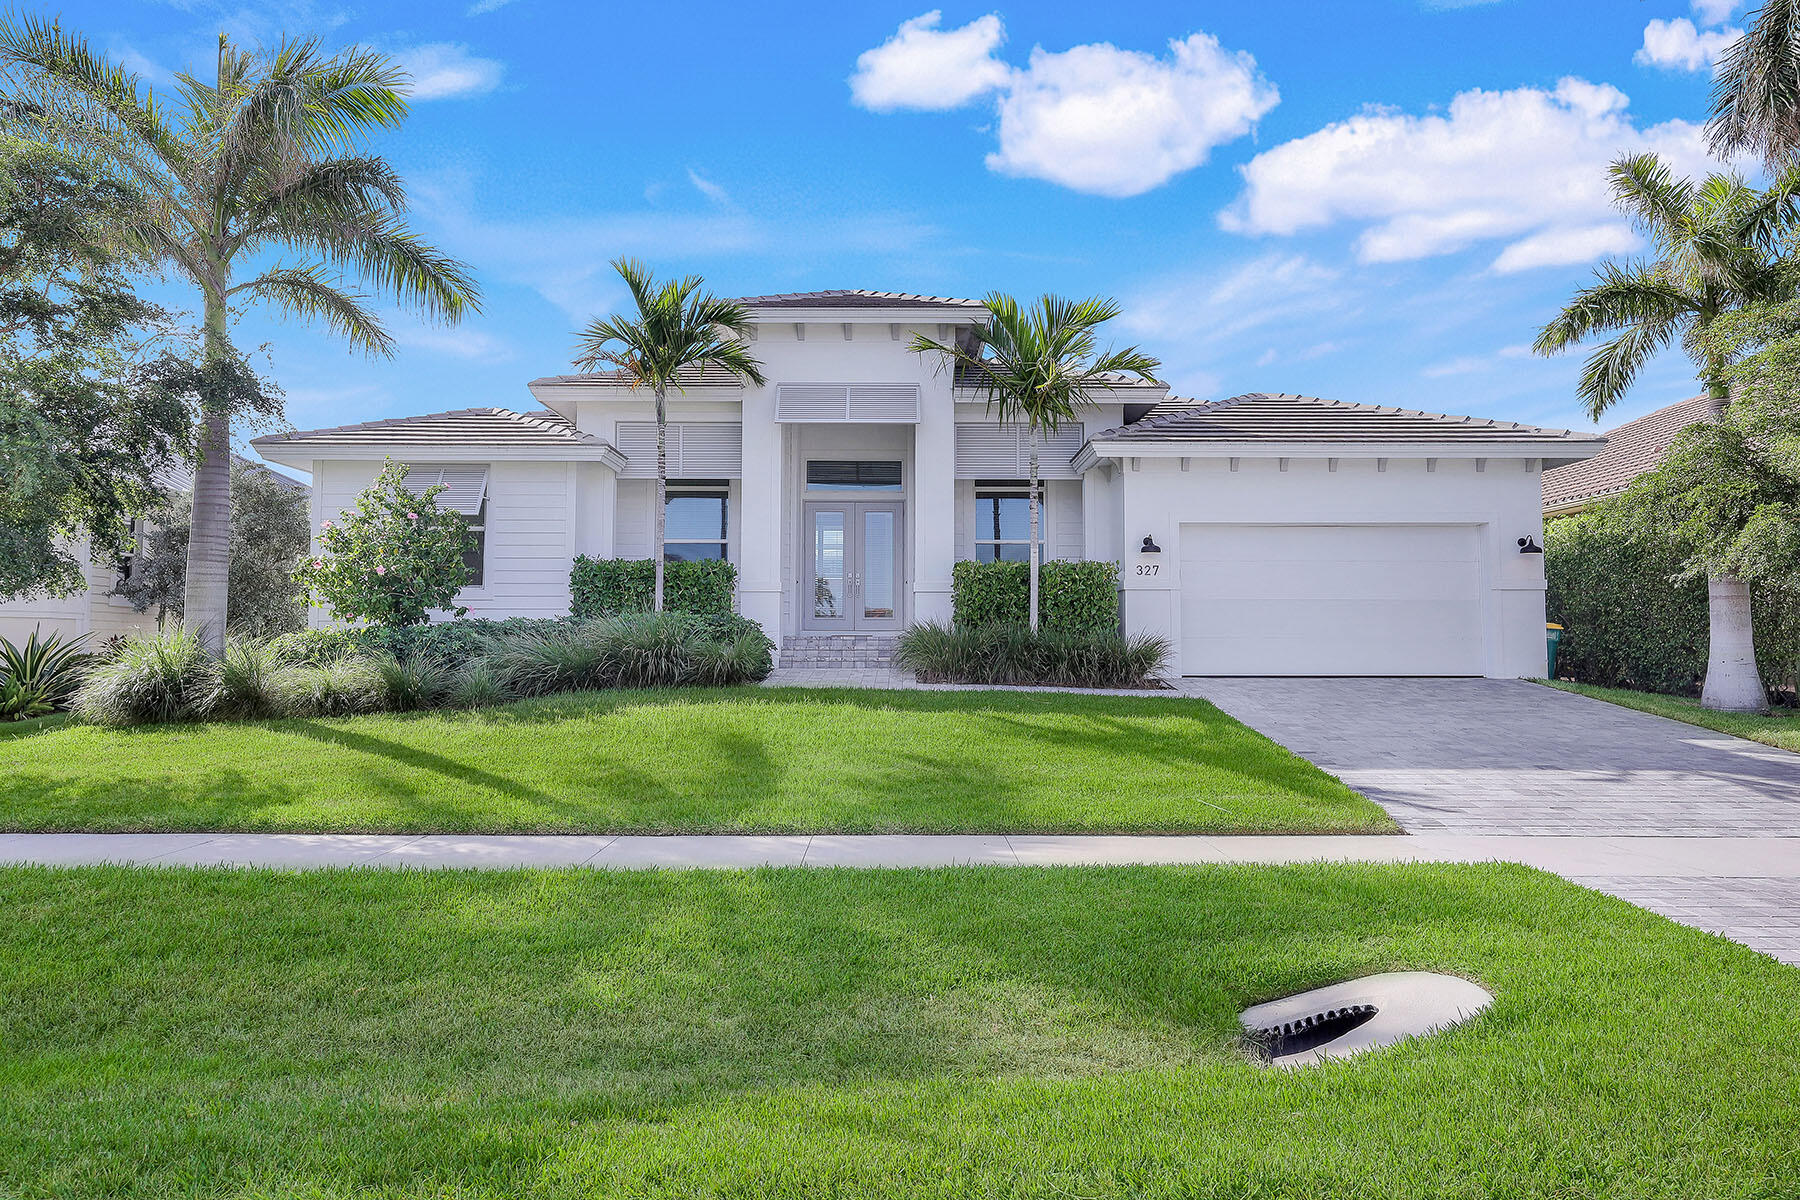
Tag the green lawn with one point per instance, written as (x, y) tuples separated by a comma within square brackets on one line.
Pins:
[(1778, 729), (747, 760), (968, 1032)]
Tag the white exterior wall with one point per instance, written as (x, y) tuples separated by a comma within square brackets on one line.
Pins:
[(1157, 497), (533, 530), (92, 611)]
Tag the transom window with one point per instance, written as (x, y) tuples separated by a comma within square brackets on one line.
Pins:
[(852, 475), (1003, 521), (476, 559), (694, 520)]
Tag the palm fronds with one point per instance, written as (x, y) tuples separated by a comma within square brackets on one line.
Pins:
[(1756, 91)]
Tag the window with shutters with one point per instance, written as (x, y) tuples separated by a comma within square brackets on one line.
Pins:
[(1003, 521), (852, 475), (696, 520)]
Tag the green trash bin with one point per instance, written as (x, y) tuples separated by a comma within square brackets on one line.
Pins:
[(1552, 639)]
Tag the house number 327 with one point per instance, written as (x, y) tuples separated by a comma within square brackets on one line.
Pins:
[(1147, 568)]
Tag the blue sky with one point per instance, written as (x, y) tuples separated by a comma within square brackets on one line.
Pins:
[(1377, 202)]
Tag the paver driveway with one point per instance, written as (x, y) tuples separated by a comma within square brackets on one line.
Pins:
[(1506, 756)]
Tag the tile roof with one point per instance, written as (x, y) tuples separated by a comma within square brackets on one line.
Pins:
[(463, 427), (971, 378), (1278, 417), (856, 298), (710, 376), (285, 481), (1631, 449)]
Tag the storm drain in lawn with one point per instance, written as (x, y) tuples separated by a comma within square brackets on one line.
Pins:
[(1359, 1014)]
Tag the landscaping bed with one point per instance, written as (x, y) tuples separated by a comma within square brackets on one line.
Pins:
[(768, 760), (1780, 728), (991, 1032)]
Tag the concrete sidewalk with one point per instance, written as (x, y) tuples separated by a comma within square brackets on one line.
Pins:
[(1745, 888)]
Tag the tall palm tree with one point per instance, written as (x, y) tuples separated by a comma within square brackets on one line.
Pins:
[(1756, 93), (1040, 367), (1717, 249), (265, 157), (678, 331)]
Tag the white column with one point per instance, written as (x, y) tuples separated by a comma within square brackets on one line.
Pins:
[(932, 511), (759, 514)]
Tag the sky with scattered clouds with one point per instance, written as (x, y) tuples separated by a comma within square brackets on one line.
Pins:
[(1373, 200)]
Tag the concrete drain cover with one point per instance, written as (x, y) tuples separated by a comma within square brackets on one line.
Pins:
[(1359, 1014)]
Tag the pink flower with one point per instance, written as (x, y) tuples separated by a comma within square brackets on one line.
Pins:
[(381, 570), (317, 565), (412, 516)]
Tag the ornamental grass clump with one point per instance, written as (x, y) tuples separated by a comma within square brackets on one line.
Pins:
[(413, 683), (149, 679), (1014, 654), (567, 658), (345, 687), (478, 685), (250, 680)]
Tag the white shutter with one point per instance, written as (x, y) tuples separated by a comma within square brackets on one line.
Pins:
[(987, 451), (711, 450), (891, 403), (812, 402), (465, 484)]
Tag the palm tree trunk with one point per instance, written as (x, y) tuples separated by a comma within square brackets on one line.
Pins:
[(662, 490), (1033, 501), (1733, 684), (209, 532)]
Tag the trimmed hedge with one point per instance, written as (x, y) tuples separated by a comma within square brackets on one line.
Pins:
[(1073, 597), (1627, 623), (604, 587)]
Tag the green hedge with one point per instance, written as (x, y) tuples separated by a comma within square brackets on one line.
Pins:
[(1627, 623), (603, 587), (1073, 597)]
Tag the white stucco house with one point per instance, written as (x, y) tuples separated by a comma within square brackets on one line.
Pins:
[(1263, 534)]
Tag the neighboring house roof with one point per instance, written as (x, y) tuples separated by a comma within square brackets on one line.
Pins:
[(451, 431), (1279, 417), (710, 376), (854, 298), (972, 378), (1631, 449), (286, 481)]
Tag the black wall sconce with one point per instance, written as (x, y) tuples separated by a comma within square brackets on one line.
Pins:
[(1149, 546), (1527, 546)]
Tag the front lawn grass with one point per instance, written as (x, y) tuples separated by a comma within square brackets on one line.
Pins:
[(762, 760), (1776, 729), (967, 1032)]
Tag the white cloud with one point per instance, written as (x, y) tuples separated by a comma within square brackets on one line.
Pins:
[(1119, 122), (1213, 306), (1678, 46), (1567, 247), (1714, 12), (442, 70), (925, 67), (1093, 118), (1475, 364), (454, 341), (1527, 165), (487, 6), (706, 187)]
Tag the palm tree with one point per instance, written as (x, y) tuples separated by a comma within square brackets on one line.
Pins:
[(1040, 367), (265, 157), (677, 331), (1756, 93), (1717, 249)]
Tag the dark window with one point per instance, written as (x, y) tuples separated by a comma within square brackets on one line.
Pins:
[(695, 520), (476, 559), (847, 475), (1003, 521)]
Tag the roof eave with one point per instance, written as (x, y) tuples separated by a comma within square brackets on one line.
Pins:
[(897, 314), (299, 453), (1551, 448)]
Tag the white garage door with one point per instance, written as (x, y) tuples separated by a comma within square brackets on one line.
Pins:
[(1330, 600)]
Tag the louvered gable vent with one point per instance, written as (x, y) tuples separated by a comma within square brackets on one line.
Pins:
[(695, 450), (838, 403), (985, 451)]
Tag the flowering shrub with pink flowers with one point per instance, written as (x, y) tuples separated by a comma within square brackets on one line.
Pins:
[(392, 560)]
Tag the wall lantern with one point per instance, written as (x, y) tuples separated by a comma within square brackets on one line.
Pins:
[(1527, 546), (1149, 546)]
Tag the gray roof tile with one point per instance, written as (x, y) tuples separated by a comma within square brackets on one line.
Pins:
[(856, 298), (1631, 449), (1278, 417), (463, 427), (711, 376)]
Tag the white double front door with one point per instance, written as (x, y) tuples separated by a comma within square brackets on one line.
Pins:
[(852, 575)]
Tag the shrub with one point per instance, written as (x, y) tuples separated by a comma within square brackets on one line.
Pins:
[(41, 676), (1072, 596), (150, 678), (605, 587), (448, 642), (392, 560), (1628, 623), (568, 657), (417, 682), (478, 685), (634, 650), (1011, 654), (249, 680), (344, 687)]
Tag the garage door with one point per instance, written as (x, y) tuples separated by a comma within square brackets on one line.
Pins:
[(1330, 600)]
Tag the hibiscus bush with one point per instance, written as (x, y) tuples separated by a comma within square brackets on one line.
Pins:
[(392, 560)]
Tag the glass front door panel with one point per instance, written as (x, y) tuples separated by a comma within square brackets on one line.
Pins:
[(829, 599), (878, 590)]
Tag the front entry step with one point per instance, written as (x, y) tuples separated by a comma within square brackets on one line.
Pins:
[(839, 650)]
